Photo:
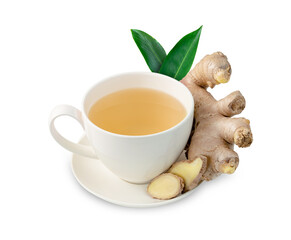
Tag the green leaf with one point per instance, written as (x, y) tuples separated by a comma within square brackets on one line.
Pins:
[(152, 51), (179, 60)]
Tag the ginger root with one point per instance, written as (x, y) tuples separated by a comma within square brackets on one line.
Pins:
[(210, 152), (166, 186), (215, 132)]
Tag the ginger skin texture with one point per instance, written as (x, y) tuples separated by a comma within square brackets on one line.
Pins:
[(210, 152), (215, 132)]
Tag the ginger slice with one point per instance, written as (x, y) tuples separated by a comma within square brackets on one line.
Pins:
[(165, 186), (190, 171)]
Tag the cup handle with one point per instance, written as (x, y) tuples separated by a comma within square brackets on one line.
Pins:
[(73, 112)]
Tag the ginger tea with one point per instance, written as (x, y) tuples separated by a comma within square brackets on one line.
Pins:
[(137, 111)]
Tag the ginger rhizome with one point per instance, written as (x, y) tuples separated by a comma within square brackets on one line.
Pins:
[(215, 131)]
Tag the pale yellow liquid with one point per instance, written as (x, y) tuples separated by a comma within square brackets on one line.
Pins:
[(137, 111)]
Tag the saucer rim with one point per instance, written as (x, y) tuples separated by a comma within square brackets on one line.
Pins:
[(122, 203), (125, 204)]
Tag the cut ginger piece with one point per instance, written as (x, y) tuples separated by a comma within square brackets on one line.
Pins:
[(166, 186), (190, 171)]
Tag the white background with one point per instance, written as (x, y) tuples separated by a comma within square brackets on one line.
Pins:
[(51, 52)]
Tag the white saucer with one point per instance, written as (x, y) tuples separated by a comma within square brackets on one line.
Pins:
[(98, 180)]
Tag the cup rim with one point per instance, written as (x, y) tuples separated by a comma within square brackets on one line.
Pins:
[(185, 119)]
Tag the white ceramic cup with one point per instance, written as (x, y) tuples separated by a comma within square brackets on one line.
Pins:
[(136, 159)]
